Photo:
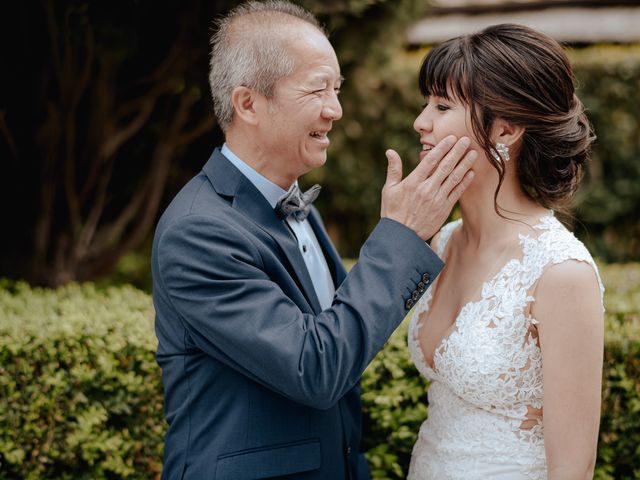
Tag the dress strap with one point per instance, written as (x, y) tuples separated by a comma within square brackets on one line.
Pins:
[(554, 245)]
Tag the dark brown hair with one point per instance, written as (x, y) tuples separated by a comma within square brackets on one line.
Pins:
[(512, 72)]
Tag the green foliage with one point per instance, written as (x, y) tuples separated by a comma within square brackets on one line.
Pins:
[(395, 405), (619, 448), (394, 393), (80, 391), (133, 269), (609, 85)]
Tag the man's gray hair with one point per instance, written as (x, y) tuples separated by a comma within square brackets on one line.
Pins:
[(249, 48)]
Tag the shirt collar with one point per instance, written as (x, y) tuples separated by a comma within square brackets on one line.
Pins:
[(269, 190)]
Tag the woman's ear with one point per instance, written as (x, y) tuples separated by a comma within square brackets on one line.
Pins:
[(505, 132), (243, 100)]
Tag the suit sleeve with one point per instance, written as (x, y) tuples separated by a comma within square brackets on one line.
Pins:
[(215, 280)]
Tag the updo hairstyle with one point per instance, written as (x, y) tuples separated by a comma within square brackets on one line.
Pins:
[(515, 73)]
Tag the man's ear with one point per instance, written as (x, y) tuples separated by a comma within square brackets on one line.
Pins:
[(505, 132), (243, 100)]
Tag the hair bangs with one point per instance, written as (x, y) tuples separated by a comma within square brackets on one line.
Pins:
[(444, 73)]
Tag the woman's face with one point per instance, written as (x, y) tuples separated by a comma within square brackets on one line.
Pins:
[(440, 118)]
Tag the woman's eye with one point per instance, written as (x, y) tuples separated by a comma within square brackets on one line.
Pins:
[(442, 108)]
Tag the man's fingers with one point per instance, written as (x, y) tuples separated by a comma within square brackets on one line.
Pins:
[(452, 158), (394, 167), (433, 158), (459, 189), (458, 173)]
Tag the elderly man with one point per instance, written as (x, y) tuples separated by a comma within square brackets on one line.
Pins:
[(262, 335)]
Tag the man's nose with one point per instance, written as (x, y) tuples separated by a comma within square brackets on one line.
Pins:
[(332, 108)]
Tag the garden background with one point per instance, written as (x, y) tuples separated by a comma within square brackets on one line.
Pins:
[(105, 114)]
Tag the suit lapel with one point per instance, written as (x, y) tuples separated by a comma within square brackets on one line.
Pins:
[(228, 181)]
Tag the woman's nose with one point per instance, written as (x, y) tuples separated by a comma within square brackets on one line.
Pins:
[(423, 123)]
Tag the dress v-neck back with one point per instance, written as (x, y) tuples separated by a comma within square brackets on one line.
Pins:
[(485, 394)]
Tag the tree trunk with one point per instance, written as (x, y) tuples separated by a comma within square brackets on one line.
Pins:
[(106, 138)]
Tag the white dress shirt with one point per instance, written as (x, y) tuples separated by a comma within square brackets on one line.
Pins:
[(307, 241)]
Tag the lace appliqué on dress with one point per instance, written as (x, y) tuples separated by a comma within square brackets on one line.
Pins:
[(486, 391)]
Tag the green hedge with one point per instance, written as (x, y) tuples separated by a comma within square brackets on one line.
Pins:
[(80, 392), (619, 448)]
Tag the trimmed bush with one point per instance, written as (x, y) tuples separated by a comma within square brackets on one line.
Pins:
[(619, 447), (80, 391), (81, 396), (394, 401)]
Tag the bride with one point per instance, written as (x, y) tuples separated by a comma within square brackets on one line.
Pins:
[(511, 333)]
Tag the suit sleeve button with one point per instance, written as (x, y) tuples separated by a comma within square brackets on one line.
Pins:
[(415, 295), (426, 277), (409, 303), (421, 286)]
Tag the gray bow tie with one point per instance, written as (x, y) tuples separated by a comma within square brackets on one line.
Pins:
[(297, 203)]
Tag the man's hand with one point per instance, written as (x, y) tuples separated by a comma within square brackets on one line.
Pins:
[(424, 199)]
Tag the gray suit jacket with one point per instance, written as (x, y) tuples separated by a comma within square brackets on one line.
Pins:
[(259, 383)]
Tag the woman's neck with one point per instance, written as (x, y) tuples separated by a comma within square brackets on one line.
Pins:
[(483, 227)]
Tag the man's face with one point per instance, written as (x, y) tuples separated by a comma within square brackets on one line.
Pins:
[(294, 127)]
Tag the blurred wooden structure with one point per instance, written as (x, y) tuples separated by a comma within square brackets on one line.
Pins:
[(568, 21)]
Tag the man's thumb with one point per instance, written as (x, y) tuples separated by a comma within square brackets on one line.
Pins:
[(394, 167)]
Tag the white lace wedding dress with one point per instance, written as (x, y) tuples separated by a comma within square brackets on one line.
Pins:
[(485, 393)]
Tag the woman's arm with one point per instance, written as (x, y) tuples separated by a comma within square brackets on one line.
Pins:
[(569, 308)]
